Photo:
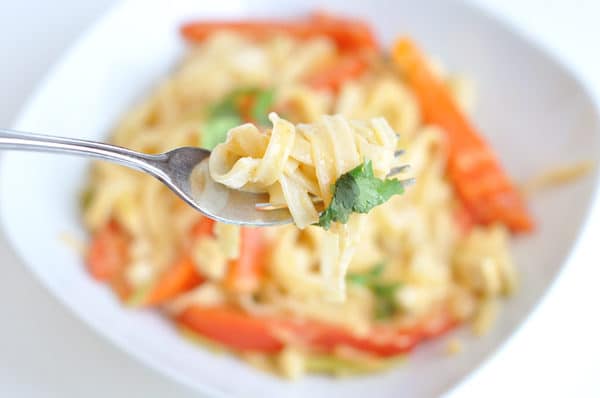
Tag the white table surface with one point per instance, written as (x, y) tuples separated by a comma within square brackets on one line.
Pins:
[(46, 352)]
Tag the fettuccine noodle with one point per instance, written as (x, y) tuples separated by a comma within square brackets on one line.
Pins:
[(295, 164), (411, 263)]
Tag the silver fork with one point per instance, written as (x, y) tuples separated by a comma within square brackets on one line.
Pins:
[(184, 170)]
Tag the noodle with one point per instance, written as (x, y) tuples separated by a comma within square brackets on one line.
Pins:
[(405, 264), (330, 147)]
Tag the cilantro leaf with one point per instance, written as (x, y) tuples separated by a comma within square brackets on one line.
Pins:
[(368, 277), (345, 191), (216, 128), (385, 290), (226, 114), (358, 191), (384, 305), (384, 309), (385, 300), (263, 101)]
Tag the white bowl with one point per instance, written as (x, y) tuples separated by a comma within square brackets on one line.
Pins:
[(532, 109)]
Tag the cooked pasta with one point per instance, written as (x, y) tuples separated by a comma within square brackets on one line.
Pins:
[(298, 164), (415, 266)]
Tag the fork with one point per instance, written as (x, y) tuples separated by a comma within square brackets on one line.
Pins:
[(183, 170)]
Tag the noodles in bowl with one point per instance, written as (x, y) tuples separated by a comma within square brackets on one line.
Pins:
[(427, 260)]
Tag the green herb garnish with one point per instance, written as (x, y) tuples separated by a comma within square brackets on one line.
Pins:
[(227, 114), (385, 303), (358, 191), (384, 292), (216, 128), (263, 101), (366, 278)]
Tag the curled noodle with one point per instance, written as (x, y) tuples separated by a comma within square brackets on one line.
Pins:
[(269, 162)]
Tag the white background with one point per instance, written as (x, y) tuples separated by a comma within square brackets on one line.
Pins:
[(46, 352)]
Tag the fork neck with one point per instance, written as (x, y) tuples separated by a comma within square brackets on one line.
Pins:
[(16, 140)]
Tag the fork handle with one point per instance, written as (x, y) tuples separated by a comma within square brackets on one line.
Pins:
[(17, 140)]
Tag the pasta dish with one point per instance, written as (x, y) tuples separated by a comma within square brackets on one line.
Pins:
[(313, 112), (330, 160)]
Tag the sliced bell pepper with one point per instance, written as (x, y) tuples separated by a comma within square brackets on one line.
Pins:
[(478, 178), (245, 272), (333, 77), (348, 34), (108, 252), (182, 276), (241, 331)]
